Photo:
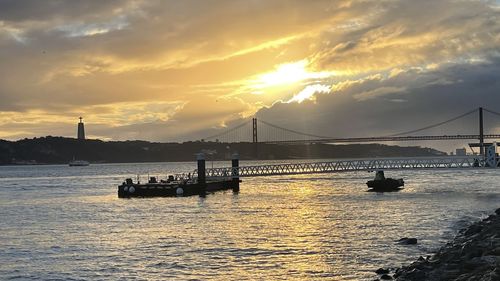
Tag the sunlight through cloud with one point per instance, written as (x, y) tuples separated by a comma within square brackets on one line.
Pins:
[(308, 93)]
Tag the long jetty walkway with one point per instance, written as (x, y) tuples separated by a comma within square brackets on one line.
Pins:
[(350, 165)]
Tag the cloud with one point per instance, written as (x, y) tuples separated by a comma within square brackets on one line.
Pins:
[(308, 93), (403, 33), (191, 66), (33, 10), (375, 93)]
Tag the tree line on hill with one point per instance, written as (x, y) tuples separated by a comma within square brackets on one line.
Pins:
[(60, 150)]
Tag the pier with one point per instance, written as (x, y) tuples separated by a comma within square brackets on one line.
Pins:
[(351, 165)]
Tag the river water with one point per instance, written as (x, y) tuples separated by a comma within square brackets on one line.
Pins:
[(67, 223)]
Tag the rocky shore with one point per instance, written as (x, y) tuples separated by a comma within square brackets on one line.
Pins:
[(474, 254)]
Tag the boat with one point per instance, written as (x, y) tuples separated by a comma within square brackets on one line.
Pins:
[(76, 163), (383, 184)]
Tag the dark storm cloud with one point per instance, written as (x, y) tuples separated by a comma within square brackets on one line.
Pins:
[(35, 10), (429, 96)]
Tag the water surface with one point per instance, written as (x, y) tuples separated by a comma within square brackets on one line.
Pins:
[(66, 223)]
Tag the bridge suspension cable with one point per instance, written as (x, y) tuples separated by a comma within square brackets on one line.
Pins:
[(387, 136), (434, 125), (292, 131), (491, 111), (228, 132)]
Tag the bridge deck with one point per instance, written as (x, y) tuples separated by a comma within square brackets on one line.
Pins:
[(386, 139), (349, 165)]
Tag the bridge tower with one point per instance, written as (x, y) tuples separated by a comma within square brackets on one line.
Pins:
[(481, 132), (255, 139), (254, 130)]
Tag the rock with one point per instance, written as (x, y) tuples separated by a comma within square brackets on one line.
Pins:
[(490, 218), (386, 277), (474, 254), (473, 229), (490, 276), (415, 274), (407, 241), (382, 271), (494, 252), (463, 277), (398, 272), (449, 274), (489, 260)]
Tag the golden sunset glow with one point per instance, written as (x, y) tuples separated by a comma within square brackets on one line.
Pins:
[(170, 71)]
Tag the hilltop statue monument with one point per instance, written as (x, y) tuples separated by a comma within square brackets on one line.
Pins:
[(81, 130)]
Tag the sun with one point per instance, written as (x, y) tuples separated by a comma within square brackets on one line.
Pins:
[(288, 74)]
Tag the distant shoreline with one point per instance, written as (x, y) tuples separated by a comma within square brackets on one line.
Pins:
[(59, 150), (187, 161)]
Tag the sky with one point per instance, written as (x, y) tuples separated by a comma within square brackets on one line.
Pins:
[(183, 70)]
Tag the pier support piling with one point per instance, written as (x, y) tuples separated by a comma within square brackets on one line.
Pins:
[(202, 182), (235, 173)]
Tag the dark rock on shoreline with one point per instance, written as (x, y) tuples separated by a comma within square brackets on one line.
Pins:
[(386, 277), (407, 241), (474, 254), (382, 271)]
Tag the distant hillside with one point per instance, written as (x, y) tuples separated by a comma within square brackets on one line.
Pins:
[(59, 150)]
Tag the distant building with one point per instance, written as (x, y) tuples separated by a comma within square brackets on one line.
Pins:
[(461, 152), (81, 130)]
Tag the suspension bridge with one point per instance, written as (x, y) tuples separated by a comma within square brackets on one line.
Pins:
[(487, 158), (260, 131)]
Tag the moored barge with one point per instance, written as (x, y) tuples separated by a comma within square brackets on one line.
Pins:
[(174, 188), (182, 186)]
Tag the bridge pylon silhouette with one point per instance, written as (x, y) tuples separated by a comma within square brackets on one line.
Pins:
[(481, 131)]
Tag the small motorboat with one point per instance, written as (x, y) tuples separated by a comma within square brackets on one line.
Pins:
[(78, 163), (383, 184)]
